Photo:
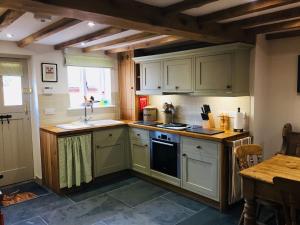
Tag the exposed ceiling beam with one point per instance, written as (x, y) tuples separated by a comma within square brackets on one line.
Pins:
[(267, 18), (294, 33), (90, 37), (281, 26), (8, 17), (130, 14), (47, 31), (147, 44), (245, 9), (185, 5), (135, 37)]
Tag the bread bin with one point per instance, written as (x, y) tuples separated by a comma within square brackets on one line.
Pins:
[(150, 113)]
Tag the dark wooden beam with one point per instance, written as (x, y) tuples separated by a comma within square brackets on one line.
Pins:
[(47, 31), (185, 5), (245, 9), (123, 40), (267, 18), (147, 44), (281, 26), (90, 37), (130, 14), (8, 17), (280, 35)]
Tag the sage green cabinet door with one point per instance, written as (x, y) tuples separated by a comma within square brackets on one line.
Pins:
[(140, 156), (200, 175), (151, 73), (109, 159), (214, 73), (178, 75)]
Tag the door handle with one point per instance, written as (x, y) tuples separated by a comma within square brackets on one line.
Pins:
[(5, 117), (163, 143)]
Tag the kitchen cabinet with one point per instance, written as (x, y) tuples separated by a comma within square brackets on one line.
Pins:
[(110, 151), (221, 70), (178, 75), (151, 76), (200, 167), (214, 73), (140, 150)]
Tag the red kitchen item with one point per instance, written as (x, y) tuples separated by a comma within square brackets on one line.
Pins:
[(143, 102)]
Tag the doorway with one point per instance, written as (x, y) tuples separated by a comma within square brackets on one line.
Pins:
[(16, 156)]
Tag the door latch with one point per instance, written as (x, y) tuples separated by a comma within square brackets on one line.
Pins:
[(5, 117)]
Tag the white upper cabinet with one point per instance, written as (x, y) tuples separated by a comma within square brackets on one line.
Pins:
[(214, 73), (221, 70), (151, 76), (178, 75)]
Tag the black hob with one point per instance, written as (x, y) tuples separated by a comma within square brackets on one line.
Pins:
[(147, 123), (200, 130)]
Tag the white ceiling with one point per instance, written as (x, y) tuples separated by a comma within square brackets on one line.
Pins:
[(27, 24)]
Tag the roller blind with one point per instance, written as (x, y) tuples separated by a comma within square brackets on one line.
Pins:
[(11, 68), (88, 61)]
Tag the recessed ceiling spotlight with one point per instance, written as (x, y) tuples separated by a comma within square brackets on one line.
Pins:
[(82, 43), (91, 24), (8, 35)]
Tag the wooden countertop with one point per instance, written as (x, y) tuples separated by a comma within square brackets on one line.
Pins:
[(217, 137), (278, 166)]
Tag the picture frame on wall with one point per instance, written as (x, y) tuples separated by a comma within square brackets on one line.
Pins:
[(49, 72)]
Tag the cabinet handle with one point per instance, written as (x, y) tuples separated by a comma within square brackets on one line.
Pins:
[(145, 77), (131, 88), (97, 146), (228, 86), (110, 135), (176, 87), (146, 145), (138, 135), (184, 155), (199, 147), (159, 87)]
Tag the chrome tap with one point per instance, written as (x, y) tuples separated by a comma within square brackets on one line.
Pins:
[(87, 103)]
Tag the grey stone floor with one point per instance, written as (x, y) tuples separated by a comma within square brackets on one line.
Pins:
[(130, 201)]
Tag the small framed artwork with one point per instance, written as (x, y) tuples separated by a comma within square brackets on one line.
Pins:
[(49, 72)]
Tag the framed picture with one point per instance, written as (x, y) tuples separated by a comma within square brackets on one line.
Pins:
[(49, 72)]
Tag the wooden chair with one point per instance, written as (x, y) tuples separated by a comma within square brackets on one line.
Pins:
[(290, 197), (290, 141), (247, 156)]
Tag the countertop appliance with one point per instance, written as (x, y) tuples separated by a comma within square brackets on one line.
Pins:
[(165, 153), (150, 113)]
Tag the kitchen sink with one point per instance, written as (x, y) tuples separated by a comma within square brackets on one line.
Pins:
[(86, 124)]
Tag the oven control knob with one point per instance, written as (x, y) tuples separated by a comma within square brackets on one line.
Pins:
[(169, 139), (184, 155)]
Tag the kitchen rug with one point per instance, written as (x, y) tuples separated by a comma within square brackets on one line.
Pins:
[(22, 192)]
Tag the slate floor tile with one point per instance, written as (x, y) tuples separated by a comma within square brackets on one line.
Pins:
[(86, 212), (137, 193), (210, 216), (163, 212), (186, 202), (33, 208), (34, 221), (100, 188)]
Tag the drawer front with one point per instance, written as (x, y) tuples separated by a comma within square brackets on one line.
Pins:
[(109, 137), (199, 146), (135, 133)]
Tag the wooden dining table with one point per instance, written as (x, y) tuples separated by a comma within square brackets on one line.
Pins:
[(258, 182)]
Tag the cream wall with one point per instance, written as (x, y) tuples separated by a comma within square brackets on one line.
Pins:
[(276, 98), (36, 54)]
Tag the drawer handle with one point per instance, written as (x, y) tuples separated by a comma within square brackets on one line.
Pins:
[(176, 87), (146, 145), (138, 134), (110, 135), (198, 147), (97, 146), (159, 87), (184, 155)]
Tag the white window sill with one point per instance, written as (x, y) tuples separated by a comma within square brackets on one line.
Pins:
[(88, 108)]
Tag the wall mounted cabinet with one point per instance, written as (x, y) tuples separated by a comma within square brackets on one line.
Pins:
[(212, 71)]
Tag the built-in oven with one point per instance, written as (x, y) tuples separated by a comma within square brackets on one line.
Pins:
[(165, 153)]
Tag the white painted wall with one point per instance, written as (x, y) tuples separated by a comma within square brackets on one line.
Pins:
[(276, 101), (36, 54)]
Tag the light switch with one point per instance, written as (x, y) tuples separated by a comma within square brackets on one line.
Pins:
[(49, 111)]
